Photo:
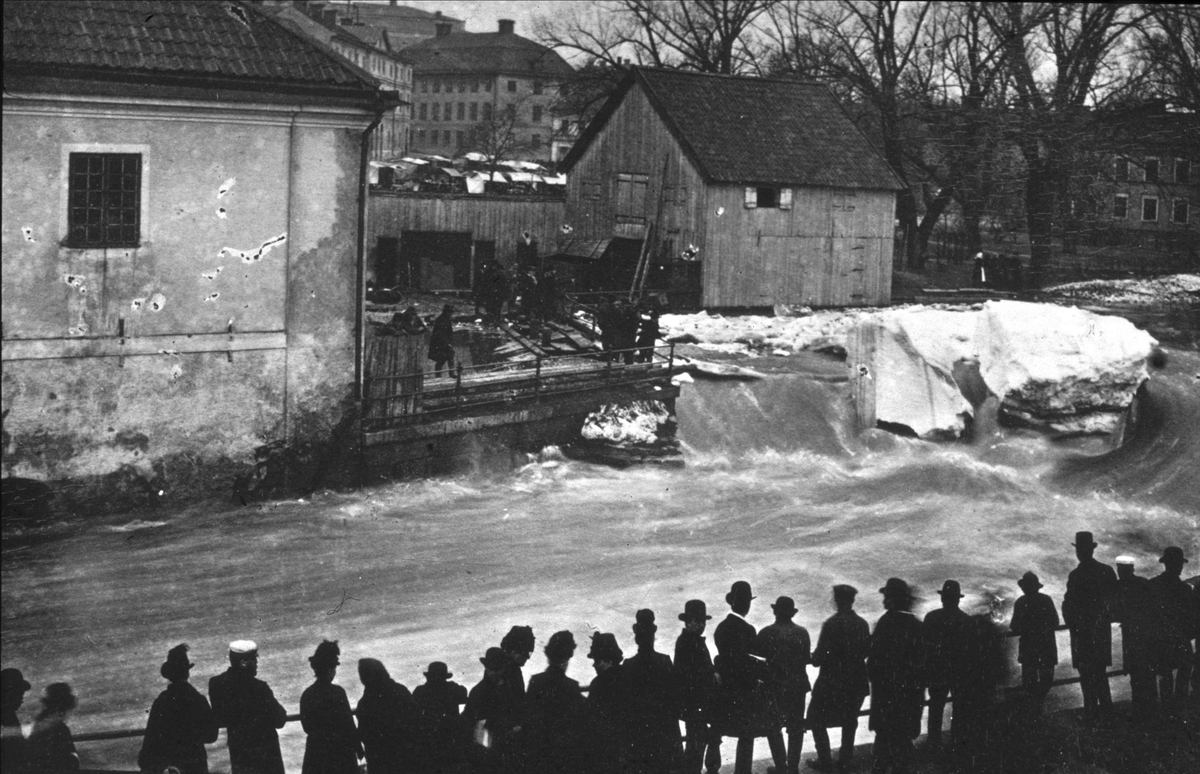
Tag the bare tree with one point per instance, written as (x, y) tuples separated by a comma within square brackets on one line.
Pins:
[(1164, 49)]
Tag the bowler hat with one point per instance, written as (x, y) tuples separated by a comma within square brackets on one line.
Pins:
[(519, 638), (494, 659), (1084, 538), (644, 621), (177, 663), (1172, 554), (561, 645), (326, 655), (58, 697), (438, 671), (1029, 581), (895, 589), (605, 648), (951, 589), (740, 590), (784, 606), (694, 610), (11, 681)]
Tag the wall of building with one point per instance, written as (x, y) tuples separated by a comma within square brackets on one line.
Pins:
[(237, 309)]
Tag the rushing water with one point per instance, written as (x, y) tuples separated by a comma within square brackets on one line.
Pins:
[(775, 490)]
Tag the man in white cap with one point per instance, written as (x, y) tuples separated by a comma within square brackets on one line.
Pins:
[(245, 706), (1132, 608)]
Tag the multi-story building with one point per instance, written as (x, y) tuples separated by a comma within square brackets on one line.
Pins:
[(488, 92), (405, 26)]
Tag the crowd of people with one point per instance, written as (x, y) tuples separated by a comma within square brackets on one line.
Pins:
[(629, 721), (628, 332)]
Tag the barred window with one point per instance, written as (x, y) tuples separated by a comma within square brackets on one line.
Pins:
[(104, 200)]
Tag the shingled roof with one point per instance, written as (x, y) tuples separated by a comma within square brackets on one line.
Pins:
[(755, 130), (189, 45), (487, 53)]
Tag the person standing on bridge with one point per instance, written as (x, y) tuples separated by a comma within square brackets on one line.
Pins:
[(51, 749), (1171, 651), (333, 746), (647, 336), (246, 706), (1087, 610), (1132, 607), (388, 720), (180, 723), (1034, 621), (441, 342), (947, 633), (442, 739), (787, 647), (842, 684), (556, 712)]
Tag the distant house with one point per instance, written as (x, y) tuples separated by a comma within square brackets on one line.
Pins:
[(753, 192), (182, 255)]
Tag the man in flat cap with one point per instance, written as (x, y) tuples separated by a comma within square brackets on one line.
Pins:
[(697, 682), (1087, 610), (180, 722), (1034, 621), (1133, 608), (607, 706), (246, 707), (1171, 649), (13, 687), (333, 746), (737, 711), (895, 664), (653, 701), (556, 712), (842, 685), (495, 714), (947, 633), (786, 647)]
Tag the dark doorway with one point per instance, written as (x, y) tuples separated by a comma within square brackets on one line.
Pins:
[(485, 253), (436, 260), (387, 262)]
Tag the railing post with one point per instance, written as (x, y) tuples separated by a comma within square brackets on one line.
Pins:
[(671, 361), (458, 387), (537, 380)]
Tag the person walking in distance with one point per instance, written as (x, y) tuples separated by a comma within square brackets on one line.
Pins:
[(1171, 653), (1034, 621), (1087, 610), (841, 685), (1133, 608), (787, 647), (181, 722), (697, 681), (895, 664), (333, 746), (947, 634), (246, 707)]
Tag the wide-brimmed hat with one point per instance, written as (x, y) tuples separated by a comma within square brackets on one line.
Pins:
[(1030, 581), (1083, 538), (896, 589), (951, 589), (11, 681), (784, 606), (740, 590), (438, 671), (1172, 554), (560, 645), (326, 655), (519, 638), (177, 663), (695, 610), (58, 697), (494, 658), (605, 648), (644, 622)]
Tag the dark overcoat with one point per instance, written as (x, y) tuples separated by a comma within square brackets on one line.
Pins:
[(695, 676), (51, 750), (500, 706), (787, 648), (181, 722), (948, 633), (607, 710), (653, 712), (1034, 620), (389, 727), (441, 340), (895, 666), (443, 738), (1170, 645), (1087, 610), (333, 746), (842, 684), (247, 707), (737, 710), (554, 731), (12, 743)]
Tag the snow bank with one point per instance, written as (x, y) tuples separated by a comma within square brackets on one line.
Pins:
[(1175, 289), (636, 422)]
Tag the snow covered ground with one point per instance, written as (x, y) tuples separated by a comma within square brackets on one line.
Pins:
[(1174, 289)]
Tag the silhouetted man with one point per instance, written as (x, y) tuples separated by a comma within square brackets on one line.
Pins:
[(556, 712), (697, 682), (245, 706), (13, 687), (606, 705), (388, 721), (1171, 653), (181, 722), (333, 746), (653, 700), (947, 634), (842, 685), (1087, 609), (442, 739), (894, 664), (496, 707), (1133, 608), (786, 647), (1034, 620), (737, 712)]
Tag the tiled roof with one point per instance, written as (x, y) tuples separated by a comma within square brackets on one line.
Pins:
[(756, 130), (486, 52), (227, 44)]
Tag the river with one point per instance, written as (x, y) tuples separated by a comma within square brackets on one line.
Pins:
[(775, 490)]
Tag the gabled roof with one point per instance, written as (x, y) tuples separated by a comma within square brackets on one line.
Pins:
[(487, 53), (166, 46), (754, 130)]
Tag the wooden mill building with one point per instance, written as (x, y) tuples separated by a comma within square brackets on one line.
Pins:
[(753, 192)]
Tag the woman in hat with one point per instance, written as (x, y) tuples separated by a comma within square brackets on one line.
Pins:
[(894, 664), (180, 722), (442, 738), (333, 746), (556, 709), (697, 683), (51, 749), (1034, 621), (841, 685), (387, 720)]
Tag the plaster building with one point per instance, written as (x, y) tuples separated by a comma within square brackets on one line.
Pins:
[(488, 92), (184, 196), (751, 191)]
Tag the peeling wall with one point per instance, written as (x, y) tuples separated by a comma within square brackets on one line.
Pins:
[(230, 328)]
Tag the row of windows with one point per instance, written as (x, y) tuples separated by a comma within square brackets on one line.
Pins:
[(1179, 208), (469, 111), (1148, 170), (458, 139), (449, 87)]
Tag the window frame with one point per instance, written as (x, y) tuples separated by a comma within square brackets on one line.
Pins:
[(1121, 169), (143, 225), (1187, 207), (1123, 200), (512, 87), (1151, 162), (1186, 165), (537, 114), (1147, 199)]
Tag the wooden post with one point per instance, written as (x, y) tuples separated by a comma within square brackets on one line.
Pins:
[(458, 387), (860, 358), (537, 380)]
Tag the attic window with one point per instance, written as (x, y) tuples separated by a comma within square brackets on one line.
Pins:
[(768, 197)]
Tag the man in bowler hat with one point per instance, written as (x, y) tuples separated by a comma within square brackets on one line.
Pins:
[(246, 706), (181, 722), (653, 703), (442, 739), (1034, 621), (1087, 610), (697, 682), (786, 647), (1171, 652), (1133, 608), (842, 685), (333, 746), (737, 711), (607, 706), (556, 711), (895, 665), (947, 634), (13, 687), (495, 710)]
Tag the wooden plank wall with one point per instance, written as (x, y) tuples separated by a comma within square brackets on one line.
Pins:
[(833, 248), (499, 218)]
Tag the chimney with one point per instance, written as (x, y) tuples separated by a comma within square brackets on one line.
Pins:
[(443, 29), (506, 26)]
